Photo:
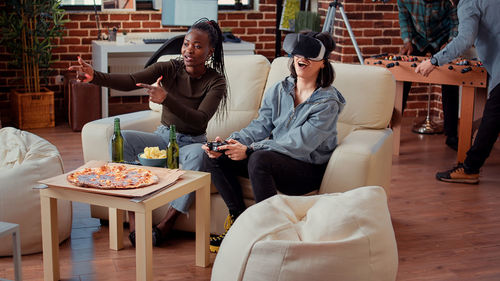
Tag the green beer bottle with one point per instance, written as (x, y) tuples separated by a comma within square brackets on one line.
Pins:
[(117, 143), (172, 150)]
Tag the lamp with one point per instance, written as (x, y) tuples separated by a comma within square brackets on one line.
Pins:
[(427, 126)]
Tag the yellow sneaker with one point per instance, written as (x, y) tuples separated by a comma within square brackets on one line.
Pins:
[(216, 240)]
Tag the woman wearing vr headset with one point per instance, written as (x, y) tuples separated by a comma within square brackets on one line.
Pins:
[(287, 147)]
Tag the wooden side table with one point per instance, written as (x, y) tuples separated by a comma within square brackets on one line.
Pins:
[(142, 206), (13, 229)]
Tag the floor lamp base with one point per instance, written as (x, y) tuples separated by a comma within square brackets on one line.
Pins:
[(427, 126)]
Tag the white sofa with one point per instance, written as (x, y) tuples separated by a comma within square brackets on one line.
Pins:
[(363, 156)]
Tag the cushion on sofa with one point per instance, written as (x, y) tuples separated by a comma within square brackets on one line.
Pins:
[(247, 75), (93, 133), (372, 110), (341, 236), (24, 160)]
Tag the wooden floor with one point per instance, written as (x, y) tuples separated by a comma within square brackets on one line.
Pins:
[(443, 231)]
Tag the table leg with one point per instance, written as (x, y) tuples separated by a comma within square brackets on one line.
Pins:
[(50, 238), (397, 116), (466, 118), (16, 246), (115, 228), (203, 224), (143, 246)]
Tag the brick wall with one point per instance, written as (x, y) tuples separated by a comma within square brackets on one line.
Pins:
[(375, 26)]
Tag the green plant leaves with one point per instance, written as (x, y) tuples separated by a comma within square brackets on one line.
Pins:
[(28, 29)]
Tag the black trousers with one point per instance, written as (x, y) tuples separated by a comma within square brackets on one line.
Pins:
[(449, 98), (268, 171), (487, 133)]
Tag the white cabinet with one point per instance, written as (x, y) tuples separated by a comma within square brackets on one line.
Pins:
[(133, 54)]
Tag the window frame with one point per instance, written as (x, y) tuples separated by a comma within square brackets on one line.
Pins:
[(82, 8), (249, 6)]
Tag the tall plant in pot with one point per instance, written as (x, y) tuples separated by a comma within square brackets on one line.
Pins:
[(29, 28)]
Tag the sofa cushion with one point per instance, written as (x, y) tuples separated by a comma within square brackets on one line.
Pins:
[(247, 75), (370, 111), (341, 236)]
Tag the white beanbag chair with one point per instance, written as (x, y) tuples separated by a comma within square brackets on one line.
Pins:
[(24, 160), (343, 236)]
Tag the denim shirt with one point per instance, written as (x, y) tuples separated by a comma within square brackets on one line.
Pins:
[(307, 132)]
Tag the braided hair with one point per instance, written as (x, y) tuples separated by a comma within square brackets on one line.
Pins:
[(216, 62)]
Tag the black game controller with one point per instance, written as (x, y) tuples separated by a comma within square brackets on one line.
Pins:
[(214, 146)]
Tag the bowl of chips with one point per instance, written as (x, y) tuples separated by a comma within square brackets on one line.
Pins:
[(153, 157)]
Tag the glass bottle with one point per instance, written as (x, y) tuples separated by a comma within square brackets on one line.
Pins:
[(172, 150), (117, 143)]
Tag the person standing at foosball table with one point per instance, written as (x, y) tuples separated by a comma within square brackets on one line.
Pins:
[(479, 26), (426, 27)]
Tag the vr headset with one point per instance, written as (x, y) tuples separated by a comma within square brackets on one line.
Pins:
[(305, 46)]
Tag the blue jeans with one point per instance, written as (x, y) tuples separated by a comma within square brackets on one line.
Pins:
[(190, 154)]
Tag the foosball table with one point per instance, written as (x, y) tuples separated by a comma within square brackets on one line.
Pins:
[(469, 74)]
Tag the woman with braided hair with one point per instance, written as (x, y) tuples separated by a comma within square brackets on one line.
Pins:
[(191, 90)]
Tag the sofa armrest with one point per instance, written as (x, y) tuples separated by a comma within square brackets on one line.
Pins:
[(96, 135), (364, 157)]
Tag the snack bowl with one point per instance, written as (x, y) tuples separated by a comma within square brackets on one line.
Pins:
[(152, 162)]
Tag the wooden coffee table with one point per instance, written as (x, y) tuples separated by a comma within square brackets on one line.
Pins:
[(142, 206)]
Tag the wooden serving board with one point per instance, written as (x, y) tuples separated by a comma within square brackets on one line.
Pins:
[(167, 177)]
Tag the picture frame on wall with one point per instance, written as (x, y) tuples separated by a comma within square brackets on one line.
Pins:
[(118, 5), (290, 8)]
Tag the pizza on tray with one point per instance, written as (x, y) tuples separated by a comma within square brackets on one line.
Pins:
[(113, 177)]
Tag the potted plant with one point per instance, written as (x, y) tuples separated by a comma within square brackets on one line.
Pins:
[(29, 28)]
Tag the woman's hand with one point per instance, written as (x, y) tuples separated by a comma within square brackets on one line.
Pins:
[(235, 150), (210, 153), (156, 93), (84, 71), (425, 68)]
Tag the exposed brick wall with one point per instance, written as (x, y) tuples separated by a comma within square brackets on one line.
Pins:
[(375, 27)]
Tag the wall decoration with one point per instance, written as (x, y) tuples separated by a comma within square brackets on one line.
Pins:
[(290, 8)]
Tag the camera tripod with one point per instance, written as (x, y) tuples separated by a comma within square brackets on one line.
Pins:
[(328, 26)]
